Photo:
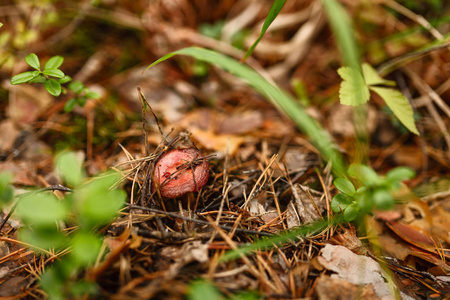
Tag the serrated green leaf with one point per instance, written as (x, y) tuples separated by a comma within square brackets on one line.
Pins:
[(54, 63), (24, 77), (353, 89), (372, 78), (273, 13), (53, 87), (399, 105), (54, 73), (351, 212), (69, 166), (345, 186), (278, 97), (33, 61), (400, 174), (340, 202), (76, 87)]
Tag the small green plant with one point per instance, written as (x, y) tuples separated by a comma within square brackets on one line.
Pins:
[(91, 205), (53, 79), (373, 191)]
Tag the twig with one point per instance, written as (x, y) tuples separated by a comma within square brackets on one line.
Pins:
[(175, 215)]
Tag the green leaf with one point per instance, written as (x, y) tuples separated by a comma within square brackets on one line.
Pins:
[(40, 209), (340, 202), (351, 212), (65, 79), (70, 105), (43, 236), (70, 168), (345, 186), (281, 99), (92, 95), (372, 78), (400, 174), (39, 79), (383, 199), (273, 13), (85, 248), (33, 61), (96, 203), (6, 190), (364, 174), (353, 89), (76, 87), (54, 63), (399, 105), (54, 73), (364, 200), (201, 289), (24, 77), (53, 87)]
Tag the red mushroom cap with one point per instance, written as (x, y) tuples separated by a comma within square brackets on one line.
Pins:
[(180, 171)]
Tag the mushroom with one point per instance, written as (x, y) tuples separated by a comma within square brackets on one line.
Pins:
[(180, 171)]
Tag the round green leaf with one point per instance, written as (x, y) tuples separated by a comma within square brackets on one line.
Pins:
[(400, 174), (351, 212), (345, 186), (39, 79), (24, 77), (92, 95), (364, 174), (53, 87), (45, 237), (70, 105), (33, 61), (76, 87), (96, 203), (40, 209), (85, 248), (383, 199), (54, 62), (69, 166), (65, 79), (340, 202), (6, 190), (54, 73), (365, 201), (201, 289)]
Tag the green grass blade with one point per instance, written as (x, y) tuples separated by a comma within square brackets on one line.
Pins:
[(281, 238), (342, 28), (273, 13), (281, 99)]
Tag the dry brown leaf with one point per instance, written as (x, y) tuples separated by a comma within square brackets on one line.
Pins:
[(355, 269)]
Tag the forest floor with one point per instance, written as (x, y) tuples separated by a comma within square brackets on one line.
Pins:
[(265, 175)]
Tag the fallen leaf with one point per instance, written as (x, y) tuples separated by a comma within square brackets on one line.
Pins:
[(355, 269)]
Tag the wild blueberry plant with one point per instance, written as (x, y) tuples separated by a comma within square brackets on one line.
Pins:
[(374, 191), (53, 79), (91, 205)]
